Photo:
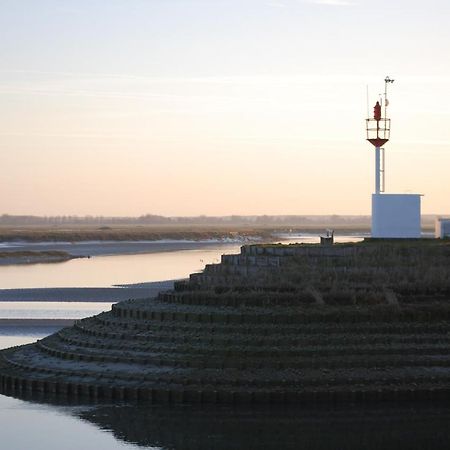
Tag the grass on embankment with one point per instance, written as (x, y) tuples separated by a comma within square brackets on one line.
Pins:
[(125, 233), (152, 232)]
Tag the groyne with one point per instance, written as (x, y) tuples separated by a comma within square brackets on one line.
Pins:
[(274, 324)]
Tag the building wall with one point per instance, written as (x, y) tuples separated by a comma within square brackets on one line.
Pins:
[(442, 228), (396, 216)]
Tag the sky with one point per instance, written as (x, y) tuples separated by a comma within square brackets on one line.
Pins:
[(189, 107)]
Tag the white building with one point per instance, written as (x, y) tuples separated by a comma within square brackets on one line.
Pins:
[(442, 229), (396, 216)]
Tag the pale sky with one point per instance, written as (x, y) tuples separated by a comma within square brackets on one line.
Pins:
[(187, 107)]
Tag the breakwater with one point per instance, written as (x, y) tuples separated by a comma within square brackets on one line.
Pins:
[(274, 324)]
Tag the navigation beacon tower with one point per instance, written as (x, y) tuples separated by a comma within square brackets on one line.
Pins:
[(393, 215)]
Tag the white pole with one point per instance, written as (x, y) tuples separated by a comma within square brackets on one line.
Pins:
[(377, 170)]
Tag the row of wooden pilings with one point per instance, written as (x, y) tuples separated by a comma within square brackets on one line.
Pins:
[(386, 315), (18, 386)]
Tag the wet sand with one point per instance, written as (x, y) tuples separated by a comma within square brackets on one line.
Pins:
[(103, 248), (109, 295), (12, 257), (35, 323)]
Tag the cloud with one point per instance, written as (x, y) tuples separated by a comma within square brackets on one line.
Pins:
[(106, 135), (276, 4), (35, 78), (289, 3), (333, 2)]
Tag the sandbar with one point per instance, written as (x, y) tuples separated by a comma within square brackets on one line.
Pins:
[(109, 295)]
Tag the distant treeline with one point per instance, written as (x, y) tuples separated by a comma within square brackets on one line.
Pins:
[(151, 219)]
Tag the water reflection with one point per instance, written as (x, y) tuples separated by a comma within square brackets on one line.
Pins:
[(421, 427), (314, 238), (389, 427), (19, 335), (168, 263), (51, 310), (106, 271)]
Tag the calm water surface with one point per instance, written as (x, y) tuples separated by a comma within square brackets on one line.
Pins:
[(111, 270), (106, 271), (51, 310), (29, 425)]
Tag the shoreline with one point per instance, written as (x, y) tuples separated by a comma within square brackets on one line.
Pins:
[(23, 251), (130, 233), (36, 323), (86, 249), (86, 294), (12, 258)]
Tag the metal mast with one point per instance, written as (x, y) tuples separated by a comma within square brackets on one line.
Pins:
[(378, 132)]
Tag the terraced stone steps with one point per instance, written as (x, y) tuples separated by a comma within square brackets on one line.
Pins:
[(253, 315), (384, 345), (318, 377), (259, 340), (219, 341)]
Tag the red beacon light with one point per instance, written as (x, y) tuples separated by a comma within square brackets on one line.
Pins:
[(377, 111)]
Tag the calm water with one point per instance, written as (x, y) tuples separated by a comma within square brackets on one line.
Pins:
[(106, 271), (51, 310), (11, 336), (313, 238)]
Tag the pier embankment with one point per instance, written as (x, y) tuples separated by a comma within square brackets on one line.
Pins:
[(289, 324)]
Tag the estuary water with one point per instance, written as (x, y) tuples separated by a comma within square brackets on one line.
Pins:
[(115, 264), (43, 424), (112, 270), (51, 310)]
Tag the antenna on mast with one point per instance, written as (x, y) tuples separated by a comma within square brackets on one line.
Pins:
[(387, 80), (367, 99)]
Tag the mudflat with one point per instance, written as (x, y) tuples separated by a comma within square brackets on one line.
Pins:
[(109, 295), (35, 323), (77, 233)]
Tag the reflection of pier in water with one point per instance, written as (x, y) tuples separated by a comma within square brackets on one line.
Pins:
[(418, 426), (278, 428)]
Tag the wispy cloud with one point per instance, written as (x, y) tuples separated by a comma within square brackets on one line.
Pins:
[(105, 135), (276, 4), (106, 78), (290, 3), (333, 2)]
